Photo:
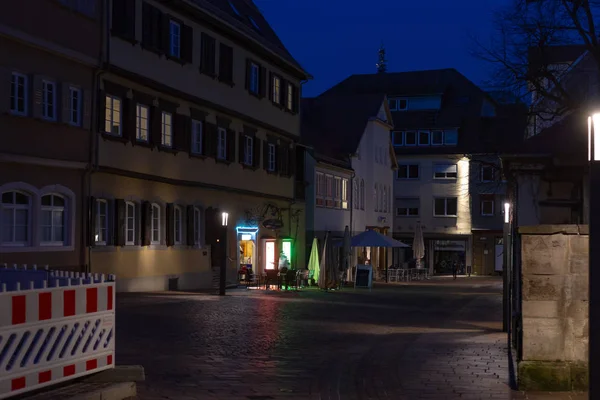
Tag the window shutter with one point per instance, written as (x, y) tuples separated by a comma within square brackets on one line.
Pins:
[(65, 99), (256, 152), (165, 39), (123, 18), (146, 233), (283, 159), (295, 98), (270, 86), (291, 161), (230, 145), (181, 139), (128, 117), (283, 95), (189, 213), (266, 155), (92, 208), (207, 61), (86, 109), (187, 44), (262, 81), (155, 126), (225, 63), (210, 131), (241, 147), (146, 24), (5, 88), (101, 111), (119, 229), (170, 225), (247, 84), (36, 99)]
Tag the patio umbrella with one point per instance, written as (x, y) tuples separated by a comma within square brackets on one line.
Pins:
[(418, 245), (322, 277), (313, 260), (346, 249), (332, 272)]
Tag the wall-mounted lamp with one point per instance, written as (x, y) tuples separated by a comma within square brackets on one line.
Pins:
[(506, 213), (224, 218)]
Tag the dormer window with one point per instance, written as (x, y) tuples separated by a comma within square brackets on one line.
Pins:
[(254, 24), (235, 10), (174, 39)]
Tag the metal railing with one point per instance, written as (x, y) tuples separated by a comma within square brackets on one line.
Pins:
[(54, 326)]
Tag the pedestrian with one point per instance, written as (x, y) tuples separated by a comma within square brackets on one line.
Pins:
[(454, 269)]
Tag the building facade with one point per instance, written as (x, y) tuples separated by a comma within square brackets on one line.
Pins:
[(351, 169), (46, 100)]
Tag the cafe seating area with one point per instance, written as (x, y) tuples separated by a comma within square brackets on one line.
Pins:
[(291, 279)]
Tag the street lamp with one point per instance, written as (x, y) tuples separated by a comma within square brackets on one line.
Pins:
[(594, 254), (223, 263), (506, 269)]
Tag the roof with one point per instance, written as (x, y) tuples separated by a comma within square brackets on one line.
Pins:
[(334, 125), (245, 16)]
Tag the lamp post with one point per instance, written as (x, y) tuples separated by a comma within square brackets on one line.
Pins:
[(594, 255), (223, 244), (506, 269)]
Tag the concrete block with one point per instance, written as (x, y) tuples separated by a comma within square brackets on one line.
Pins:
[(579, 287), (579, 376), (543, 287), (121, 373), (544, 376), (543, 339), (577, 314), (542, 309), (580, 350), (579, 254), (546, 255)]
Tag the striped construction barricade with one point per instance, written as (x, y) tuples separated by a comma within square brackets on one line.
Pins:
[(59, 332)]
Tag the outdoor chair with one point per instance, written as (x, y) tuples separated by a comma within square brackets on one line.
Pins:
[(271, 278), (290, 279), (302, 277)]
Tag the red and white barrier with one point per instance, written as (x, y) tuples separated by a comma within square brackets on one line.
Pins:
[(52, 335)]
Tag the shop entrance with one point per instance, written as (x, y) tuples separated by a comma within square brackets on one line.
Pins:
[(446, 253), (247, 254)]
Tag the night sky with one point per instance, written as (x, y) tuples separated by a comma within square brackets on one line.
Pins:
[(333, 39)]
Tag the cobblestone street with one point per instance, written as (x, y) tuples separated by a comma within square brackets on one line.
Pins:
[(435, 340)]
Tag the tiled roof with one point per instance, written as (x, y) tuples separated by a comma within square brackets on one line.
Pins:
[(334, 125), (245, 16)]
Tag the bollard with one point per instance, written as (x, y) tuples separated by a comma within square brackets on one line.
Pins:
[(31, 285), (45, 284), (18, 286)]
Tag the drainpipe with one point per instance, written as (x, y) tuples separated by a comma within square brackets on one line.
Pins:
[(348, 278)]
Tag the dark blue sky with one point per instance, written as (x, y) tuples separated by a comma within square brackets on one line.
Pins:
[(333, 39)]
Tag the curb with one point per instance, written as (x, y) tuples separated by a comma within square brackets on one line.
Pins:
[(87, 391)]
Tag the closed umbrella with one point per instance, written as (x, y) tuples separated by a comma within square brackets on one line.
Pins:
[(332, 273), (322, 280), (418, 245), (313, 260), (346, 250)]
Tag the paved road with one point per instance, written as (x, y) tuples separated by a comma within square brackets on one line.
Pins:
[(434, 340)]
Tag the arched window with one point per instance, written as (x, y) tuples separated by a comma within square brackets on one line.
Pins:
[(362, 194), (178, 225), (53, 220), (15, 219), (155, 224), (355, 198)]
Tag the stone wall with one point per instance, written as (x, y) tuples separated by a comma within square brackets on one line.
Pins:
[(554, 262)]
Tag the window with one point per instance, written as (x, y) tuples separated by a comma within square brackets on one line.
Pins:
[(75, 106), (487, 173), (87, 7), (207, 56), (487, 206), (330, 190), (445, 207), (362, 194), (15, 219), (393, 104), (384, 199), (226, 63), (320, 189), (197, 129), (174, 39), (248, 149), (410, 138), (18, 94), (424, 138), (407, 207), (142, 113), (355, 198), (197, 226), (398, 138), (376, 197), (53, 220), (437, 138), (254, 78), (345, 193), (130, 223), (112, 116), (49, 100), (235, 10), (101, 225), (276, 88), (155, 224), (166, 129), (408, 171), (222, 144), (402, 104), (290, 97), (451, 138), (445, 171), (178, 224), (338, 192), (271, 160)]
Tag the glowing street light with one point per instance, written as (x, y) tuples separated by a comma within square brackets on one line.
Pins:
[(506, 213), (224, 218), (223, 244), (506, 270)]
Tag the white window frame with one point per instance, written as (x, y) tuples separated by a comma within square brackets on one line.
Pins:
[(166, 129), (174, 39), (432, 135), (14, 100), (483, 168), (407, 177), (133, 218), (395, 106), (399, 134), (178, 225), (254, 83), (276, 90), (248, 150), (15, 207), (74, 106), (101, 232), (110, 118), (407, 212), (198, 226), (445, 207), (416, 138), (446, 142), (142, 124), (52, 209), (155, 223), (344, 193), (48, 100), (271, 162), (337, 191), (222, 144), (484, 214), (428, 138), (197, 136), (290, 97), (445, 177), (320, 189), (405, 104)]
